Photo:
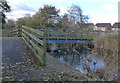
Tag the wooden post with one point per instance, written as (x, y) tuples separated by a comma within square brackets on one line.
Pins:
[(58, 35), (11, 32), (45, 44), (19, 31)]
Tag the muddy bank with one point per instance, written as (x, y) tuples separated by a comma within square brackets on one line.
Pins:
[(91, 63), (106, 48)]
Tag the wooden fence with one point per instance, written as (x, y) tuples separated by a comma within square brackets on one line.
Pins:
[(16, 31), (75, 33), (36, 40)]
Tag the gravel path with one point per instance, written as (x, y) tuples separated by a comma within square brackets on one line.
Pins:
[(20, 65)]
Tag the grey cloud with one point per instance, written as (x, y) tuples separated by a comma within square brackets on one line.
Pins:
[(25, 7)]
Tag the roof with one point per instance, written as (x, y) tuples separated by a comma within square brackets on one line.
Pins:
[(107, 25), (116, 25)]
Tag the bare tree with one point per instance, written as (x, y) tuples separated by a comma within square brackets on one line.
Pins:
[(76, 14)]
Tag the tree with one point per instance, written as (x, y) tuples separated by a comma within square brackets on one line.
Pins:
[(4, 7), (20, 22), (47, 15), (10, 24), (28, 20), (65, 23), (36, 20), (76, 15)]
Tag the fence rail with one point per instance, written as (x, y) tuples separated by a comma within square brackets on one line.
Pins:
[(38, 46), (15, 31), (70, 34)]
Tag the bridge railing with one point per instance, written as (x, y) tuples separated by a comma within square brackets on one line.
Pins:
[(75, 33), (16, 31), (36, 40)]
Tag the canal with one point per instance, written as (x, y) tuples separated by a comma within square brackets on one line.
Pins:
[(82, 55), (80, 59)]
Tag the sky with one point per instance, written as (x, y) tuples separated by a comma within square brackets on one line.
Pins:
[(99, 11)]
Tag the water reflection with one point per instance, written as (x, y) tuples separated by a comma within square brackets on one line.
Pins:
[(80, 59)]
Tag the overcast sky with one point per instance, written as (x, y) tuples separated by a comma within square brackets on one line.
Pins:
[(99, 11)]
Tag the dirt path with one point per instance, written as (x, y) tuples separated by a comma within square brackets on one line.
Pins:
[(19, 64)]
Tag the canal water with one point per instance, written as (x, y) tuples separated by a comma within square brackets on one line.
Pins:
[(80, 59)]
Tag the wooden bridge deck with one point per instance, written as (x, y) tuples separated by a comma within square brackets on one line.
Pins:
[(18, 64)]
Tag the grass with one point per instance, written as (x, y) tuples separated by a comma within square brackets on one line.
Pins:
[(6, 33), (103, 31), (107, 41)]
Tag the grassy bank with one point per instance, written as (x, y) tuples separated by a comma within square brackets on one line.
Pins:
[(5, 33), (107, 41)]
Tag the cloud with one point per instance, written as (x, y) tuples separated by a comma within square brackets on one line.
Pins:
[(79, 0), (110, 6), (25, 7), (105, 18), (21, 7), (18, 14), (63, 10), (14, 2), (115, 0)]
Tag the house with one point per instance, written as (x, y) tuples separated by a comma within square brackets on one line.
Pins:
[(116, 26), (104, 26)]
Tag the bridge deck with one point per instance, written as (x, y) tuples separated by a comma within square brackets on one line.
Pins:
[(18, 64)]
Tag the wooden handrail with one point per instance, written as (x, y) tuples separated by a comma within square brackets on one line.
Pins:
[(38, 46)]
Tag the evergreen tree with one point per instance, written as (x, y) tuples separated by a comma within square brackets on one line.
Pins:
[(4, 7)]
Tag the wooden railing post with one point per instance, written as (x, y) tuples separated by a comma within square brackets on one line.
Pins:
[(19, 32), (45, 45), (15, 31)]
